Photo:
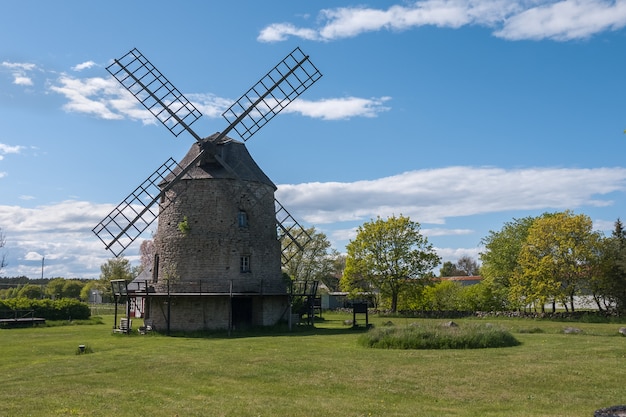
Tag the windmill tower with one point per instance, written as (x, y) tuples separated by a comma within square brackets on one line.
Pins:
[(218, 252)]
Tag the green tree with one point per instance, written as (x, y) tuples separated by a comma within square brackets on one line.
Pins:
[(333, 281), (316, 260), (443, 296), (448, 269), (481, 297), (388, 256), (608, 285), (115, 268), (146, 252), (557, 259), (72, 288), (467, 266), (501, 254), (85, 292), (54, 289), (31, 291)]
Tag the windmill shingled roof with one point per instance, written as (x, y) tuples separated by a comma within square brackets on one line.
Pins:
[(234, 153)]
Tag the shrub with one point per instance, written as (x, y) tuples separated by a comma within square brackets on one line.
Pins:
[(63, 309), (433, 336)]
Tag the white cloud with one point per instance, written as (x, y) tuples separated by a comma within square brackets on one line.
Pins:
[(5, 149), (447, 232), (339, 108), (19, 66), (431, 196), (83, 66), (565, 20), (282, 31), (209, 104), (61, 232), (454, 254), (105, 98), (19, 71), (33, 256), (521, 19), (22, 80), (101, 97)]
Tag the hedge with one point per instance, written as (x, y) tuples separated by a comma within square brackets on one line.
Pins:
[(61, 309)]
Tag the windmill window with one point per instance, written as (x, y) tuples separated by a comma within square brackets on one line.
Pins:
[(242, 218), (155, 268), (244, 264)]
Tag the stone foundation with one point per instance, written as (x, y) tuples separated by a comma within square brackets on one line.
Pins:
[(213, 312)]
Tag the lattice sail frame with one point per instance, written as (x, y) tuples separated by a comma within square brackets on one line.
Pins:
[(133, 216), (290, 231), (279, 87), (154, 92)]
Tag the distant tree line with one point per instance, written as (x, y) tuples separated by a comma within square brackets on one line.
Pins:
[(528, 264), (75, 288)]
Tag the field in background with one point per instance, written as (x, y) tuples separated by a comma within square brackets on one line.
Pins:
[(315, 372)]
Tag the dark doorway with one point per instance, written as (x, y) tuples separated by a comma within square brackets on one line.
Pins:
[(242, 312)]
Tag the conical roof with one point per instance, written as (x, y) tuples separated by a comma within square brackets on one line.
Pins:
[(235, 155)]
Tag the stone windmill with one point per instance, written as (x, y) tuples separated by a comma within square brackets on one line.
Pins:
[(218, 255)]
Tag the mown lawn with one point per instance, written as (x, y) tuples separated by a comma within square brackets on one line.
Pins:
[(318, 372)]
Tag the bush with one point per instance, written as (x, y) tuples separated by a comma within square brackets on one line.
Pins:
[(63, 309), (433, 336)]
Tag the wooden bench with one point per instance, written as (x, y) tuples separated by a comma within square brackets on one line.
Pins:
[(21, 322)]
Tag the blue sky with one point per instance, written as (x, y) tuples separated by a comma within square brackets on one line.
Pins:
[(459, 114)]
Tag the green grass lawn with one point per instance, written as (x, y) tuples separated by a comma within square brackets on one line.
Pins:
[(318, 372)]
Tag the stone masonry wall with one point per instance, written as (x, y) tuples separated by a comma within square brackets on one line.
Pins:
[(198, 313), (206, 256)]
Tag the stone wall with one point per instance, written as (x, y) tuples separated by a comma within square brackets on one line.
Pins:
[(199, 313), (209, 251)]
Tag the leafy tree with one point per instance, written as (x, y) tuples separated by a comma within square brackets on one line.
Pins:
[(316, 260), (500, 256), (72, 288), (448, 269), (146, 251), (332, 281), (54, 289), (608, 285), (388, 256), (115, 268), (467, 266), (443, 296), (31, 291), (557, 259), (481, 297), (85, 292)]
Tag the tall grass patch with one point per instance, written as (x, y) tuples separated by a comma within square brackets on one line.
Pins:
[(438, 336)]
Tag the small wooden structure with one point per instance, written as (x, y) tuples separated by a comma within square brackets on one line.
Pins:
[(303, 296), (120, 289), (359, 308), (20, 318)]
